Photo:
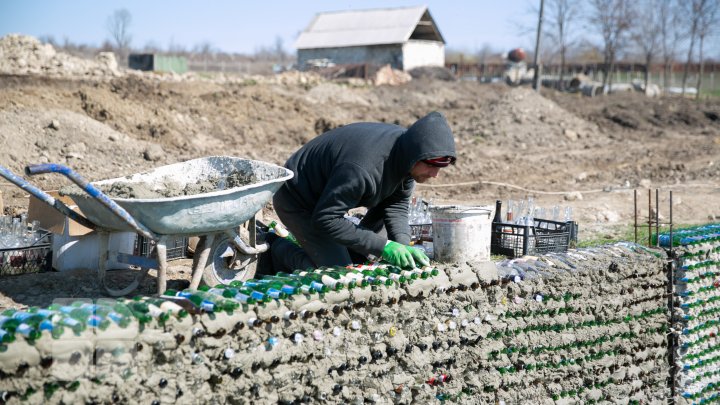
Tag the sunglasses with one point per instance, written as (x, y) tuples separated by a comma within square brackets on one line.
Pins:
[(441, 161)]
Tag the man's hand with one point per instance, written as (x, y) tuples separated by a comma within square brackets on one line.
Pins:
[(398, 255), (419, 256)]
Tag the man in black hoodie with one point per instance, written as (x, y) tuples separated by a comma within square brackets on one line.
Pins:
[(373, 165)]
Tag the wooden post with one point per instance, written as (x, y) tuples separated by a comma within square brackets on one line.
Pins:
[(538, 71)]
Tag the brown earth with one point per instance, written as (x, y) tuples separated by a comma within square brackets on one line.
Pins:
[(563, 149)]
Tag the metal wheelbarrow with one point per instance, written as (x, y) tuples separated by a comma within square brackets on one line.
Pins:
[(228, 192)]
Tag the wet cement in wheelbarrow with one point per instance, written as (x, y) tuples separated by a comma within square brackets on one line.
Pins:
[(170, 188)]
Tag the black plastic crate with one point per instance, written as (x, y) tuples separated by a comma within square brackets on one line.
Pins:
[(177, 247), (25, 260), (545, 236)]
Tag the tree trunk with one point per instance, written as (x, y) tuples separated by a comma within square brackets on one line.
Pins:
[(667, 68), (702, 66), (609, 76), (688, 61), (648, 60), (606, 72), (561, 83)]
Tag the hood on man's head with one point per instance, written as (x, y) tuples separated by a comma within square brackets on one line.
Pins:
[(429, 137)]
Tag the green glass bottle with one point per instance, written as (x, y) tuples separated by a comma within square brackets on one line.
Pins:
[(6, 336), (375, 278), (348, 282), (355, 276), (308, 281), (408, 274), (76, 326), (169, 307), (282, 232), (385, 272), (299, 287), (330, 282), (256, 295), (140, 311), (267, 290), (235, 294), (279, 285), (8, 323)]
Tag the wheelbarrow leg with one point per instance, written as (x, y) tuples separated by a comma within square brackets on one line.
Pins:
[(204, 246), (104, 238), (161, 249)]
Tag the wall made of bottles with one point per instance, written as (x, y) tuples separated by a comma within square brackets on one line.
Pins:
[(696, 309), (588, 326)]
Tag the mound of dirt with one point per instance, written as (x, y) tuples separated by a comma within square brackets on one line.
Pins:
[(637, 112), (20, 54)]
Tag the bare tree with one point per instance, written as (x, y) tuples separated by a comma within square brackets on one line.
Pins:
[(118, 25), (561, 16), (280, 49), (668, 19), (708, 20), (647, 32), (693, 10), (205, 48), (176, 48), (613, 19), (152, 47)]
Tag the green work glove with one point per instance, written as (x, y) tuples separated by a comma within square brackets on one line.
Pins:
[(398, 255), (419, 256)]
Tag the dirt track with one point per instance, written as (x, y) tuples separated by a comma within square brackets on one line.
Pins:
[(558, 144)]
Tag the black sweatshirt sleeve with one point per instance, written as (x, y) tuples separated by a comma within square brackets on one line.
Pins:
[(344, 189)]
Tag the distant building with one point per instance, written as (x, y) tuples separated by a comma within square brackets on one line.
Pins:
[(405, 38), (157, 63)]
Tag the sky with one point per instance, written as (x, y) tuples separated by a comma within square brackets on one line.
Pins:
[(246, 26)]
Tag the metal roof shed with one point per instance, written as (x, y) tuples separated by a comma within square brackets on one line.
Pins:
[(405, 38)]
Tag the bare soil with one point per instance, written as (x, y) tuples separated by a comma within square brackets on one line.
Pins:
[(562, 149)]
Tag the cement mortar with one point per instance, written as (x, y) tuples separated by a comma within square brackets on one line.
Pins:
[(385, 345)]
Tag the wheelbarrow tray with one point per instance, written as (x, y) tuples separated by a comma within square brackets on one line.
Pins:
[(188, 214)]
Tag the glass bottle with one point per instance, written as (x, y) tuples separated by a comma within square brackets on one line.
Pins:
[(282, 232)]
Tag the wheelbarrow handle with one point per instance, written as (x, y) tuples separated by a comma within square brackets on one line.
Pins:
[(42, 168), (94, 192), (46, 198)]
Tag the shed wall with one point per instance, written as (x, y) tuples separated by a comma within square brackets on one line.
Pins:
[(423, 53), (375, 55)]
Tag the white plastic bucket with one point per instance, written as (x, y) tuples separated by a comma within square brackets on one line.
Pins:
[(461, 234)]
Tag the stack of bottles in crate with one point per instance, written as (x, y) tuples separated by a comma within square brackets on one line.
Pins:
[(23, 246), (523, 229), (18, 233)]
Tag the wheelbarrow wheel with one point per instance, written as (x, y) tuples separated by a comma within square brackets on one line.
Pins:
[(226, 264)]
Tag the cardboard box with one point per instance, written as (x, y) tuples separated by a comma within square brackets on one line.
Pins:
[(75, 246), (53, 220)]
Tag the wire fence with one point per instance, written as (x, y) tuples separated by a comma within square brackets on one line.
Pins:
[(622, 73)]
